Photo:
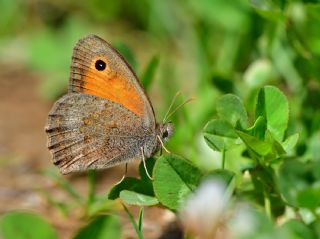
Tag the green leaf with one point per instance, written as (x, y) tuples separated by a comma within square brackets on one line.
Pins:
[(297, 230), (284, 60), (259, 147), (267, 9), (100, 228), (272, 104), (149, 72), (220, 135), (291, 180), (258, 73), (137, 199), (131, 184), (309, 197), (23, 225), (316, 170), (277, 148), (222, 175), (314, 146), (297, 183), (140, 186), (174, 179), (259, 128), (316, 228), (231, 109)]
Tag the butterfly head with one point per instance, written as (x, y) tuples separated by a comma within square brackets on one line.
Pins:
[(165, 131)]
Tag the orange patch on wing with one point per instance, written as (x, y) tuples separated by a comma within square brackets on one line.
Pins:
[(115, 88)]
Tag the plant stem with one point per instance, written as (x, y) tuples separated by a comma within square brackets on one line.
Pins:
[(92, 175), (223, 158), (267, 205), (133, 222), (140, 219)]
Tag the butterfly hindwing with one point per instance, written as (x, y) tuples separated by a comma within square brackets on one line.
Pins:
[(88, 132)]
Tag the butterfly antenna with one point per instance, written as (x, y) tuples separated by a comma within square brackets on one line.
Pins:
[(171, 105), (178, 107)]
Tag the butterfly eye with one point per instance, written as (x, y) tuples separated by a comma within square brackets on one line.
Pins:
[(100, 65), (165, 134)]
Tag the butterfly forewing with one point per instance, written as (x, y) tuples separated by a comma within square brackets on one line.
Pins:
[(112, 79)]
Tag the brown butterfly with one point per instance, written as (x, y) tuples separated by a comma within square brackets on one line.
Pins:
[(106, 118)]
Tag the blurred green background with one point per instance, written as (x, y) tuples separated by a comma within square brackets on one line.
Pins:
[(203, 49)]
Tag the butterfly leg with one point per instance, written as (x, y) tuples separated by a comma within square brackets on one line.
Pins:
[(144, 164), (162, 145), (124, 175)]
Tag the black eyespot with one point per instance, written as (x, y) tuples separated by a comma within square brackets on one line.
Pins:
[(165, 134), (100, 65)]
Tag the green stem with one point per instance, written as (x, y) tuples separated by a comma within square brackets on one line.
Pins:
[(133, 222), (141, 219), (267, 205), (92, 176), (223, 158)]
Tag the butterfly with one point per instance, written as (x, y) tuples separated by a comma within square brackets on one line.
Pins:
[(106, 118)]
